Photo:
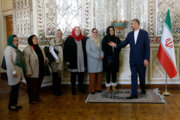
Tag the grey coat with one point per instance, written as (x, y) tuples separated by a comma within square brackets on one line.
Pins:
[(93, 53), (10, 57), (32, 62)]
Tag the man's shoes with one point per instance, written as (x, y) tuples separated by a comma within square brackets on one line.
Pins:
[(82, 91), (99, 91), (132, 97), (143, 91), (92, 93)]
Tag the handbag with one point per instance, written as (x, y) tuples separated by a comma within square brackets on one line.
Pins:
[(47, 70), (49, 55), (3, 66)]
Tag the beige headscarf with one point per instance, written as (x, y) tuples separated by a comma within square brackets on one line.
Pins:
[(97, 41), (58, 41)]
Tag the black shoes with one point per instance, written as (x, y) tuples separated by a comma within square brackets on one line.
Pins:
[(143, 91), (92, 93), (73, 92), (14, 108), (132, 97), (19, 107), (58, 93), (33, 102)]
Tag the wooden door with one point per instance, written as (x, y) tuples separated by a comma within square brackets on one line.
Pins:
[(9, 26)]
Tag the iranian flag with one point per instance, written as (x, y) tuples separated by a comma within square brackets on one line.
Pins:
[(166, 54)]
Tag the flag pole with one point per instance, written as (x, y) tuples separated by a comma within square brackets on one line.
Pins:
[(166, 93)]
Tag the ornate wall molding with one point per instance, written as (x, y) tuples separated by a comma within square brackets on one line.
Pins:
[(162, 7), (22, 18), (87, 14), (157, 13), (64, 15)]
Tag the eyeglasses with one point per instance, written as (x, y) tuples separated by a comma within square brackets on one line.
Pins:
[(95, 32), (35, 38), (16, 40)]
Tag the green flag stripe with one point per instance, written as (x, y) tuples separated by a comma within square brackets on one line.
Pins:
[(168, 28), (168, 21)]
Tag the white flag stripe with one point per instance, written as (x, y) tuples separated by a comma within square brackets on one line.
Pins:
[(165, 35), (174, 63)]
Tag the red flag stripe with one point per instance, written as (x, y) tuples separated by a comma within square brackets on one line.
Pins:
[(166, 62)]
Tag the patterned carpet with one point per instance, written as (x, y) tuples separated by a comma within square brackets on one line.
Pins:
[(152, 96)]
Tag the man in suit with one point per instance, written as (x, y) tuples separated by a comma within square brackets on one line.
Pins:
[(139, 56)]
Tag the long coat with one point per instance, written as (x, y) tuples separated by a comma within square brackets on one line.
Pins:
[(32, 62), (93, 53), (70, 52), (58, 45), (10, 57), (111, 55)]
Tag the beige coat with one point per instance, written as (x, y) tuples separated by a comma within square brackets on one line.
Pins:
[(32, 62), (58, 45), (10, 57)]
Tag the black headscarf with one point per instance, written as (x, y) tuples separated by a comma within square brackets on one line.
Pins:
[(39, 53), (108, 31)]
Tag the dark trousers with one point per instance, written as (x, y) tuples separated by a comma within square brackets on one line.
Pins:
[(74, 76), (14, 95), (56, 82), (33, 88), (108, 76), (135, 71)]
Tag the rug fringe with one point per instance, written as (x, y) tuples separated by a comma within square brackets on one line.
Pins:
[(157, 92), (88, 98)]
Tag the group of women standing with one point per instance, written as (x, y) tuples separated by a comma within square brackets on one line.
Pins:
[(77, 52)]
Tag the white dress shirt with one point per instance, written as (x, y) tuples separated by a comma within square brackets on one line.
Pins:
[(136, 32)]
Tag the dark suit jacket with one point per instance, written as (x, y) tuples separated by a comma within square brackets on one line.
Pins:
[(139, 51)]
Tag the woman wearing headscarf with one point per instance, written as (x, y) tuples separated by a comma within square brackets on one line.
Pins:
[(35, 68), (94, 62), (56, 49), (15, 64), (111, 59), (75, 57)]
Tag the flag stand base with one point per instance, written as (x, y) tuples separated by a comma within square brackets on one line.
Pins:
[(166, 93)]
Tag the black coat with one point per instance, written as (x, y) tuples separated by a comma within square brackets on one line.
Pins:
[(70, 52), (111, 59)]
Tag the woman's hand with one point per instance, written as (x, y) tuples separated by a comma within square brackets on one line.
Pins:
[(29, 73), (67, 63), (100, 58), (15, 75), (57, 61)]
